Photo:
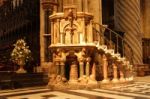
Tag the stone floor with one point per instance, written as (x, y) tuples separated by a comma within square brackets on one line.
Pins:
[(142, 79), (140, 89)]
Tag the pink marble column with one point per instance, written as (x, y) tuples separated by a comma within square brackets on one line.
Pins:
[(92, 79), (105, 67), (122, 79), (115, 73)]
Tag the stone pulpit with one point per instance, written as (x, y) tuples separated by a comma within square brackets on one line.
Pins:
[(72, 36)]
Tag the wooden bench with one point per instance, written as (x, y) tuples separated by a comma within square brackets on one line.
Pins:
[(6, 79), (12, 80)]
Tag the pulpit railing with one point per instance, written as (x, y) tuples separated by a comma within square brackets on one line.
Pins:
[(106, 36)]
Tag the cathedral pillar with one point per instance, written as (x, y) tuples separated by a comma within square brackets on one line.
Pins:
[(95, 7), (145, 8), (127, 19), (42, 26)]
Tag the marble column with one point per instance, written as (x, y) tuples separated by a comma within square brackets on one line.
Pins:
[(62, 67), (58, 67), (58, 30), (115, 73), (73, 73), (81, 66), (88, 67), (94, 72), (122, 79), (92, 78), (105, 68), (42, 31), (52, 32), (121, 71), (127, 19)]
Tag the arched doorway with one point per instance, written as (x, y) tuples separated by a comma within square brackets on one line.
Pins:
[(71, 58)]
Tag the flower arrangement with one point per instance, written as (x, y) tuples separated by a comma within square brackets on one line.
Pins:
[(21, 52)]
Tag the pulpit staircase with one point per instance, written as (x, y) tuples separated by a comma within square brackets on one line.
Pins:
[(116, 49)]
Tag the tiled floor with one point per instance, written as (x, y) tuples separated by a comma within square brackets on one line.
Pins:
[(137, 90)]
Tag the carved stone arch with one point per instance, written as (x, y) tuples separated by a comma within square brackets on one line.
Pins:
[(64, 25), (79, 29), (69, 35)]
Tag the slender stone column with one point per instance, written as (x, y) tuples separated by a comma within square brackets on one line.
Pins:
[(58, 67), (62, 66), (127, 19), (121, 72), (81, 66), (83, 30), (94, 71), (122, 79), (58, 30), (61, 38), (115, 73), (105, 66), (52, 32), (92, 79), (88, 67), (42, 31)]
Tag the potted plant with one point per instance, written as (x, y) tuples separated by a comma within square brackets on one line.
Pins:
[(21, 54)]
